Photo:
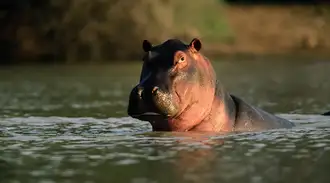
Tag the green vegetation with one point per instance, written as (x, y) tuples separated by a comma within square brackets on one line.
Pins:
[(82, 30), (106, 30)]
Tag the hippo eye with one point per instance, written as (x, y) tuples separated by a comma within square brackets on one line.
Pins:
[(182, 59)]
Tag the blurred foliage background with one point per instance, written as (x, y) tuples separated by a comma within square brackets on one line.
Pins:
[(77, 31)]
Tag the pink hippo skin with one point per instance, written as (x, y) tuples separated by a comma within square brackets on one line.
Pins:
[(179, 91)]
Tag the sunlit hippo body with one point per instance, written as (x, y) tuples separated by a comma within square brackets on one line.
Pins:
[(179, 91)]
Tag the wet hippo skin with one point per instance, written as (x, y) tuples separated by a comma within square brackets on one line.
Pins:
[(326, 114), (179, 91)]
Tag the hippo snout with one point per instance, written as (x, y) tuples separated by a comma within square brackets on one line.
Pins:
[(164, 102), (135, 102), (151, 100), (141, 106), (141, 101)]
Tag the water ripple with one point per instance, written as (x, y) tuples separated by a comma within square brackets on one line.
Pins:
[(83, 148)]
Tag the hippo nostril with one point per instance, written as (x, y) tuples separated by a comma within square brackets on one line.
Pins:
[(154, 90), (139, 92)]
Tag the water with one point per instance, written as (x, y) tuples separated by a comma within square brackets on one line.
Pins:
[(69, 124)]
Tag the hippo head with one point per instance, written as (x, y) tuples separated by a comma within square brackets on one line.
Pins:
[(176, 87)]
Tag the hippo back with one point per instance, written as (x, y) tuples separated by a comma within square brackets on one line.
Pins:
[(249, 118), (327, 113)]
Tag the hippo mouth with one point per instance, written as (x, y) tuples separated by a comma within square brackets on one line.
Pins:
[(149, 116), (146, 114), (158, 121)]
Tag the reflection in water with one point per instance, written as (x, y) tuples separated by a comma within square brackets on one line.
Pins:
[(67, 124), (124, 150), (198, 162)]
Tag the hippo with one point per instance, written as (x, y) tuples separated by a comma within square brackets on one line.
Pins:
[(326, 113), (178, 91)]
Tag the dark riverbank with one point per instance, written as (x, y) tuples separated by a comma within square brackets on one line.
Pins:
[(81, 31)]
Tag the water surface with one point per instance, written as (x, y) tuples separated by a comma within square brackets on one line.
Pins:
[(69, 124)]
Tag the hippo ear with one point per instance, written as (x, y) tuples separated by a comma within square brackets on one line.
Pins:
[(196, 44), (146, 45)]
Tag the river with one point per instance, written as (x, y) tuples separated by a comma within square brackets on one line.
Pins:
[(69, 124)]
